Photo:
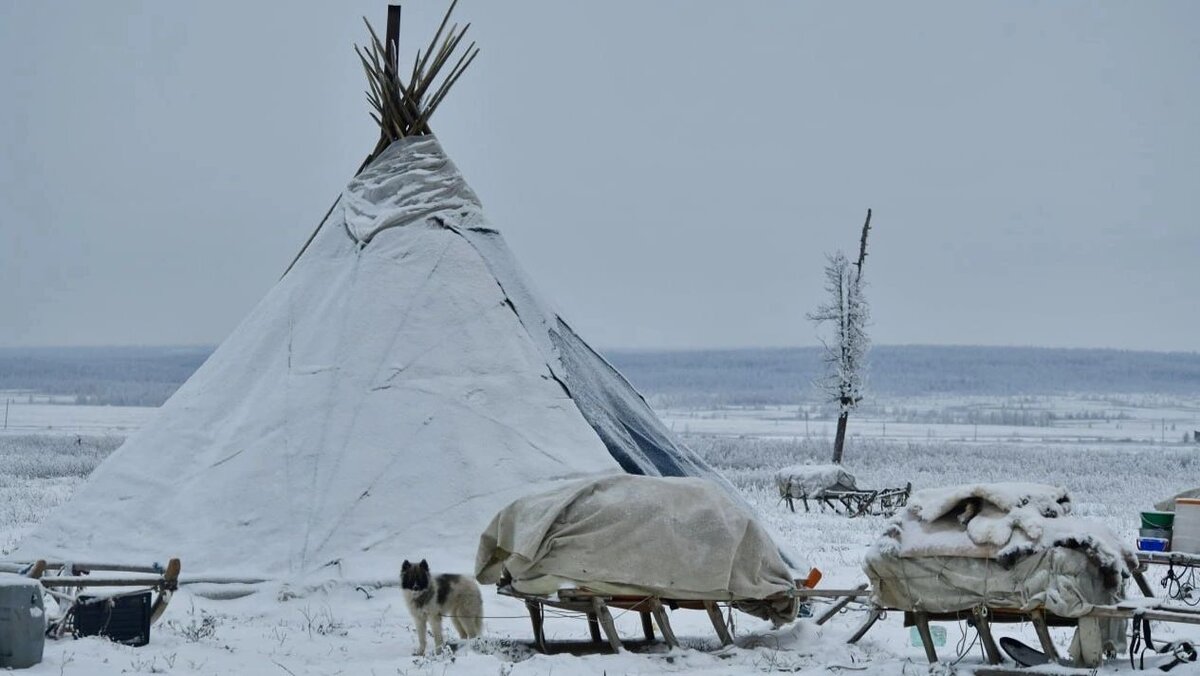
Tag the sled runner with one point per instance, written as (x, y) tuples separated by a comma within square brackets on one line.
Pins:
[(1023, 654), (653, 610)]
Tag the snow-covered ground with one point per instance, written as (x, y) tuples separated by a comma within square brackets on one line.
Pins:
[(342, 631), (1140, 419), (44, 416)]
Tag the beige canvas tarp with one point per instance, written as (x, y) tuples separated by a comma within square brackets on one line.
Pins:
[(676, 538)]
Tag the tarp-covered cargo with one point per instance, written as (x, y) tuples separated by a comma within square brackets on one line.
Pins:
[(1006, 545), (813, 481), (678, 538)]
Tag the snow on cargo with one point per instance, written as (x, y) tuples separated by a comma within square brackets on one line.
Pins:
[(1010, 548)]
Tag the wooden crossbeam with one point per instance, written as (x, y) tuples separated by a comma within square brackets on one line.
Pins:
[(872, 617), (841, 603), (74, 582)]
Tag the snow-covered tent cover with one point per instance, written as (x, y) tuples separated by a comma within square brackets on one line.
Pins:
[(1006, 545), (812, 481), (677, 538), (400, 384)]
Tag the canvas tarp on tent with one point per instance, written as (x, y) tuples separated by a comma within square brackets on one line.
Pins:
[(397, 387), (629, 535), (399, 384), (1010, 546)]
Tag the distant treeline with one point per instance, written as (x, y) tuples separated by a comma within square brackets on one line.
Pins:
[(784, 375), (114, 376), (147, 376)]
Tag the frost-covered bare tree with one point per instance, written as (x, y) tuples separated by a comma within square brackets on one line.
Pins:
[(845, 356)]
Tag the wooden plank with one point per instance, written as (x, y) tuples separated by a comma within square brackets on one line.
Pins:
[(86, 567), (37, 569), (841, 603), (1156, 615), (718, 622), (984, 627), (1169, 558), (858, 592), (84, 581), (922, 621), (1038, 616), (664, 625), (873, 616), (606, 621)]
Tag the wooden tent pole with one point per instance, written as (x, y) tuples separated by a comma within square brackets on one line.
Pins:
[(393, 36), (402, 109)]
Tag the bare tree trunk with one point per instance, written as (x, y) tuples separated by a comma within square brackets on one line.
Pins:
[(840, 441)]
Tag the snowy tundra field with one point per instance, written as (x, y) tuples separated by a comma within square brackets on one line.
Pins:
[(1115, 464)]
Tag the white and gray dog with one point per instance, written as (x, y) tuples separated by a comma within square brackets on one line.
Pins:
[(430, 597)]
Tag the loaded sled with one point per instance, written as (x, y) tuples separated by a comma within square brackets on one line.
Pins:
[(833, 487)]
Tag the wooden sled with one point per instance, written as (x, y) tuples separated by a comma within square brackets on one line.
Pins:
[(854, 502), (72, 578), (596, 608), (983, 616), (653, 609)]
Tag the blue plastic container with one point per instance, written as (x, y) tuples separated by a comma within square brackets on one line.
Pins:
[(1153, 544)]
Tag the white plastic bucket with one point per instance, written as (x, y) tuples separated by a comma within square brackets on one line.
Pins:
[(1186, 537)]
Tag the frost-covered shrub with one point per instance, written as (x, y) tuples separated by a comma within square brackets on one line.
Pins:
[(39, 473), (1112, 482), (50, 456)]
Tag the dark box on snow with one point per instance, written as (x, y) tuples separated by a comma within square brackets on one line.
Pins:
[(123, 619)]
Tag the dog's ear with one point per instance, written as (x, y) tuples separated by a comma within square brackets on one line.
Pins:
[(424, 566), (406, 565)]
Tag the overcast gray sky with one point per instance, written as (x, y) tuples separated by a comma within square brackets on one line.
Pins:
[(670, 174)]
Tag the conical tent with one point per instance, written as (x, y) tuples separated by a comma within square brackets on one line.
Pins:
[(399, 385)]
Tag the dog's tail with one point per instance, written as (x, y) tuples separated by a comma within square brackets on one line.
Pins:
[(473, 622)]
